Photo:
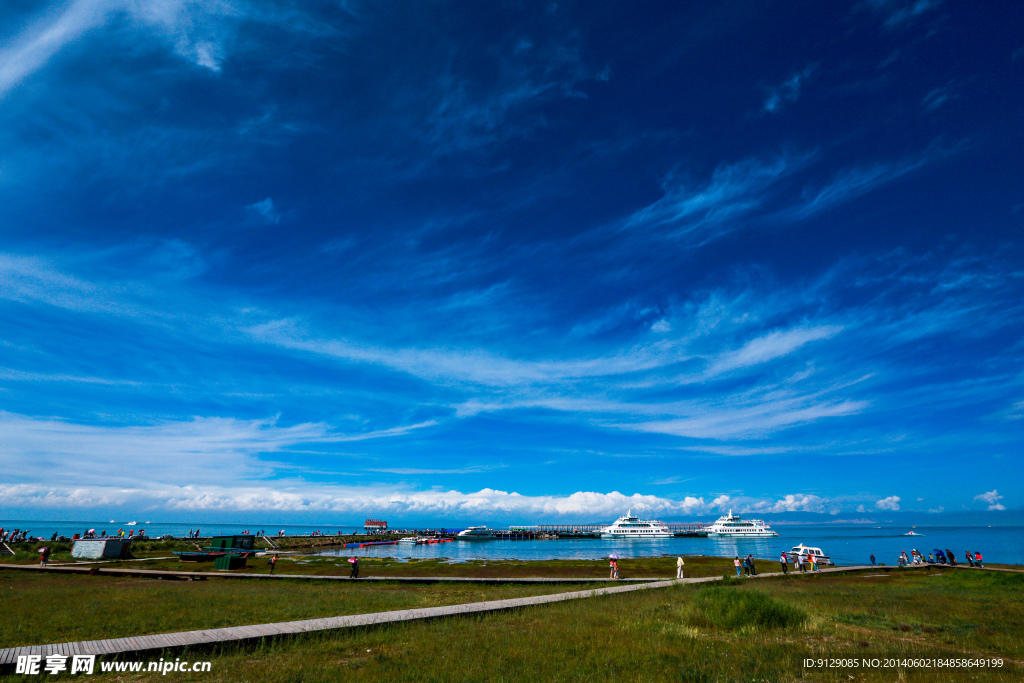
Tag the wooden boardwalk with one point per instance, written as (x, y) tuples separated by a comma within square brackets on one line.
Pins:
[(138, 645)]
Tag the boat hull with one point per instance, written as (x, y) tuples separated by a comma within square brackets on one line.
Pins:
[(638, 537)]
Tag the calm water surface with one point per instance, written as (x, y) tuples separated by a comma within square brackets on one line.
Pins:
[(846, 545)]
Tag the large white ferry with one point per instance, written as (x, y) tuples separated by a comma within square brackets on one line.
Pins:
[(475, 533), (631, 527), (733, 525)]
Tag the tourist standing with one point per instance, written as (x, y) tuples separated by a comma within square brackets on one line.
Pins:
[(736, 563), (784, 561), (679, 567), (872, 559), (970, 558), (354, 574), (273, 563), (750, 562)]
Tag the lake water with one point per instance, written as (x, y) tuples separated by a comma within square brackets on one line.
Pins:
[(846, 544)]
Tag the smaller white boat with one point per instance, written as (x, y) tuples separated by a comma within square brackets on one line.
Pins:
[(113, 521), (407, 539), (475, 533), (131, 523), (819, 556), (912, 533)]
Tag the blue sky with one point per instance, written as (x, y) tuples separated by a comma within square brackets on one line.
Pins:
[(469, 262)]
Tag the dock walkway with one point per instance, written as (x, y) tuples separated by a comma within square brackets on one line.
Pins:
[(137, 645)]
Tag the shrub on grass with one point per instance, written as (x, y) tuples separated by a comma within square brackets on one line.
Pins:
[(729, 609)]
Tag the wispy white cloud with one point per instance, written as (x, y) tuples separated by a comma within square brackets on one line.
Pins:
[(734, 191), (852, 183), (788, 91), (28, 52), (903, 13), (201, 450), (200, 31), (771, 346), (754, 421), (992, 498), (266, 210), (938, 97), (418, 470)]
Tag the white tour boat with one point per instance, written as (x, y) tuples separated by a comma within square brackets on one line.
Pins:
[(631, 527), (807, 552), (475, 533), (733, 525)]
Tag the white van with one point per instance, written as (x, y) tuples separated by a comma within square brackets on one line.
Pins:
[(819, 556)]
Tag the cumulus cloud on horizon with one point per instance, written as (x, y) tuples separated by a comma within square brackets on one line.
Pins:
[(992, 498), (890, 503), (487, 503)]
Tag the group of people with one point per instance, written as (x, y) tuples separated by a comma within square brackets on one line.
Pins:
[(13, 536), (938, 557), (193, 533)]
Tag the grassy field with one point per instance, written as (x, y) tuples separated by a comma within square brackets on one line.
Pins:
[(644, 567), (738, 631), (60, 607), (665, 635)]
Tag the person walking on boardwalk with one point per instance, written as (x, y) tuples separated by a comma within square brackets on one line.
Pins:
[(872, 559), (736, 563), (615, 569), (273, 563), (679, 567), (784, 561), (970, 558), (354, 574), (750, 563), (977, 560), (801, 559)]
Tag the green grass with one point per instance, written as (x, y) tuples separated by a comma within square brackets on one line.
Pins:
[(648, 636), (55, 608), (329, 565), (751, 630), (729, 609)]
